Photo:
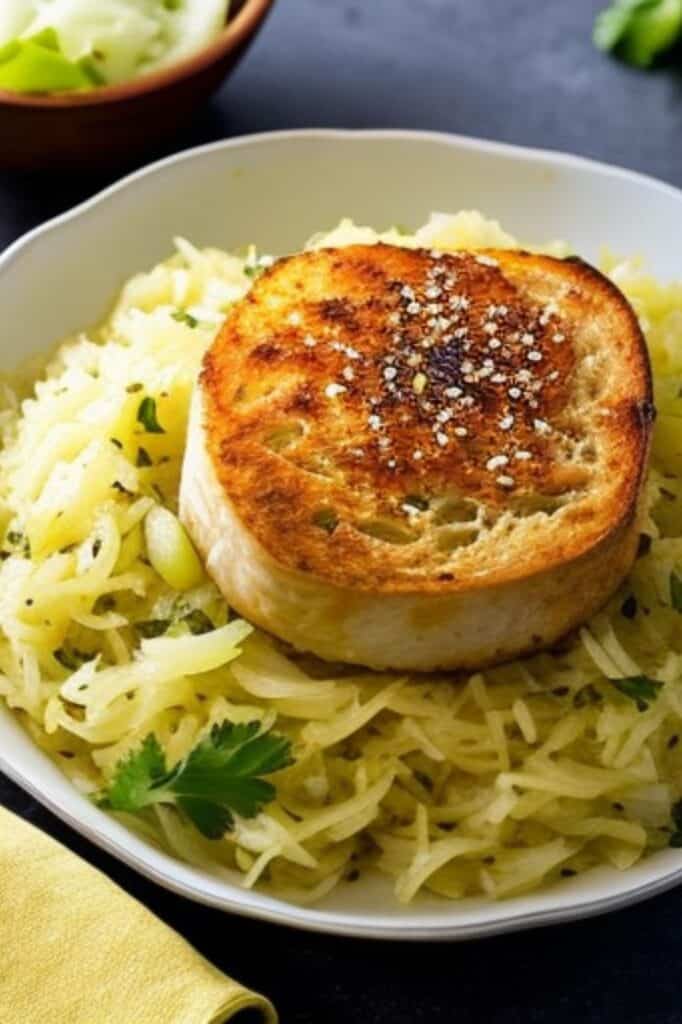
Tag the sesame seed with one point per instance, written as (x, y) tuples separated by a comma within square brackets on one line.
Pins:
[(542, 427), (309, 341), (390, 373), (523, 455), (558, 338), (490, 328), (414, 308), (514, 393), (333, 390), (507, 423), (348, 373), (417, 454), (394, 318), (295, 319), (505, 481), (407, 292), (419, 383), (534, 356), (384, 442), (527, 338), (391, 463), (441, 439), (466, 401), (414, 360), (444, 415), (467, 366), (461, 431), (499, 378), (496, 462), (460, 333), (554, 375), (453, 392), (524, 376), (487, 261), (374, 422), (494, 343), (434, 292)]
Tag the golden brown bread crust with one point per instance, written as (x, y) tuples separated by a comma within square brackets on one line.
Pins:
[(361, 403)]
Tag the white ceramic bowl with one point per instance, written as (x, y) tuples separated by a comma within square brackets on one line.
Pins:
[(276, 190)]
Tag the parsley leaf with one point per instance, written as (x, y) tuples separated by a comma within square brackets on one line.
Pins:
[(641, 689), (221, 777), (198, 622), (639, 30), (676, 591), (146, 415), (183, 317)]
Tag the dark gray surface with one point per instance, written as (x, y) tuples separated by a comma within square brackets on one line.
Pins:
[(522, 71)]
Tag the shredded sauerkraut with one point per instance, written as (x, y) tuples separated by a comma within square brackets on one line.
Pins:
[(490, 784)]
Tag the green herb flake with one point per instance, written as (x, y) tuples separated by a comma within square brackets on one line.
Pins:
[(628, 609), (146, 415), (143, 458), (676, 591), (183, 317), (221, 777), (198, 622), (121, 488), (152, 627), (115, 441), (641, 689), (587, 695), (134, 388), (70, 658)]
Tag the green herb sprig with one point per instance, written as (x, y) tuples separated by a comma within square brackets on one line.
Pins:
[(221, 777)]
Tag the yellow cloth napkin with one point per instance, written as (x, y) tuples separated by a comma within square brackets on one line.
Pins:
[(77, 950)]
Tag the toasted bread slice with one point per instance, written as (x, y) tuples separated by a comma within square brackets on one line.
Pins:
[(420, 460)]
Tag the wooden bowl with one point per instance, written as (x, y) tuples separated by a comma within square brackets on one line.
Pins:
[(106, 126)]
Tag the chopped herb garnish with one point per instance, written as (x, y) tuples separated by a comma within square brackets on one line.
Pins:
[(70, 658), (221, 777), (568, 873), (96, 547), (132, 388), (252, 270), (641, 689), (115, 441), (629, 607), (198, 622), (183, 317), (673, 741), (152, 627), (676, 837), (14, 537), (676, 591), (143, 458), (587, 695), (146, 415), (118, 486)]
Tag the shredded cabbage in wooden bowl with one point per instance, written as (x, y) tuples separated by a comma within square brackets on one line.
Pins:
[(491, 784)]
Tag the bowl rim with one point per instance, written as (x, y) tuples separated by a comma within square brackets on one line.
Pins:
[(171, 873), (237, 31)]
